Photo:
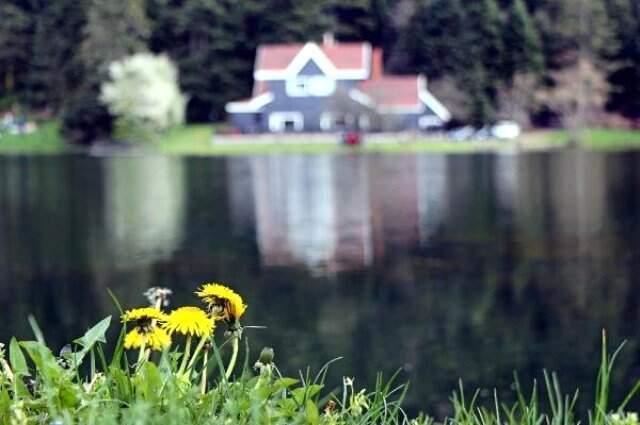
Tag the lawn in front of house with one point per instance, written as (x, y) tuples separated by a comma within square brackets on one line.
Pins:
[(45, 140)]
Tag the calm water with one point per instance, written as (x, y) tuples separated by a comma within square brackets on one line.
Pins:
[(468, 266)]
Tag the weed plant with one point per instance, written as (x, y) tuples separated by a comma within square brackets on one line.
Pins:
[(181, 368)]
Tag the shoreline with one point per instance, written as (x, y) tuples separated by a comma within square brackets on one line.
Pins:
[(201, 140)]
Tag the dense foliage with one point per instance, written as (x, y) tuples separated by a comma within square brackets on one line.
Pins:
[(479, 55)]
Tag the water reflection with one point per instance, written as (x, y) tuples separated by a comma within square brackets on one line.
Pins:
[(143, 208), (445, 266)]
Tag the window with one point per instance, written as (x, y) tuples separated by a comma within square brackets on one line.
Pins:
[(426, 122), (280, 122), (364, 122), (304, 86)]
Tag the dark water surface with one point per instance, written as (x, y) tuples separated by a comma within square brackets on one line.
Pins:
[(469, 266)]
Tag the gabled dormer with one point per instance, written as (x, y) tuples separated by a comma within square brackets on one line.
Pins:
[(341, 61)]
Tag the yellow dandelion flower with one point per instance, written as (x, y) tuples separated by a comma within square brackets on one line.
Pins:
[(143, 315), (222, 301), (154, 338), (190, 321)]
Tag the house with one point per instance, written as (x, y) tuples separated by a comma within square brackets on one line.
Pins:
[(332, 86)]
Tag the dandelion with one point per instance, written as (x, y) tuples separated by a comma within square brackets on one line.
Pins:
[(190, 321), (155, 338), (223, 302), (143, 316), (146, 333)]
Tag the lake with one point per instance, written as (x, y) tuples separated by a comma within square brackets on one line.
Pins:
[(445, 267)]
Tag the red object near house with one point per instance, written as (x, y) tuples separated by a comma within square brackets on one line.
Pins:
[(352, 138)]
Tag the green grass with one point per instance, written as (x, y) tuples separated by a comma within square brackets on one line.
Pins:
[(46, 139), (199, 139), (180, 385), (612, 139)]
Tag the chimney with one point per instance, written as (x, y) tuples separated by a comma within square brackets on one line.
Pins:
[(328, 39), (377, 65)]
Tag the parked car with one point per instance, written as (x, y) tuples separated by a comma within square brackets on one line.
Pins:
[(462, 133), (504, 130), (507, 130)]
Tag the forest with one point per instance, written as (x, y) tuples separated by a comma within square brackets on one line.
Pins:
[(543, 63)]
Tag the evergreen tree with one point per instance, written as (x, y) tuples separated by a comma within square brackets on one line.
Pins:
[(356, 20), (625, 78), (432, 40), (482, 35), (114, 29), (481, 58), (203, 37), (54, 67), (16, 38), (282, 21), (522, 47)]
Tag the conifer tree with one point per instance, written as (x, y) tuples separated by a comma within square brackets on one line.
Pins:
[(114, 29), (16, 37), (54, 66), (522, 46), (203, 37), (625, 77), (481, 58), (356, 20), (432, 40)]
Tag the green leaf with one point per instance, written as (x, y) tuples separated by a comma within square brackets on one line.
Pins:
[(89, 339), (95, 334), (150, 382), (18, 362), (44, 360), (313, 417), (283, 383), (301, 395), (121, 383)]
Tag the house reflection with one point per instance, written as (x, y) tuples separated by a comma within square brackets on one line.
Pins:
[(335, 213)]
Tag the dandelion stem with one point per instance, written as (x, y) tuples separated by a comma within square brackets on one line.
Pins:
[(185, 355), (203, 382), (234, 355), (203, 340), (141, 356)]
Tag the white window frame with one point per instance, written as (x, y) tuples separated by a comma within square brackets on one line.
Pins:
[(364, 122), (277, 121), (326, 121), (310, 86)]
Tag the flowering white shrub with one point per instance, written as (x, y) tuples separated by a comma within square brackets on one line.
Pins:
[(143, 94)]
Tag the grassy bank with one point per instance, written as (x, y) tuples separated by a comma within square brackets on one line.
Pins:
[(202, 140), (46, 139), (184, 367)]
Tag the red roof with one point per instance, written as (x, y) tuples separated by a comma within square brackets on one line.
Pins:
[(346, 55), (276, 57), (392, 91)]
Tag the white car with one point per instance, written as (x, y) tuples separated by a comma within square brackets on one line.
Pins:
[(508, 130)]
